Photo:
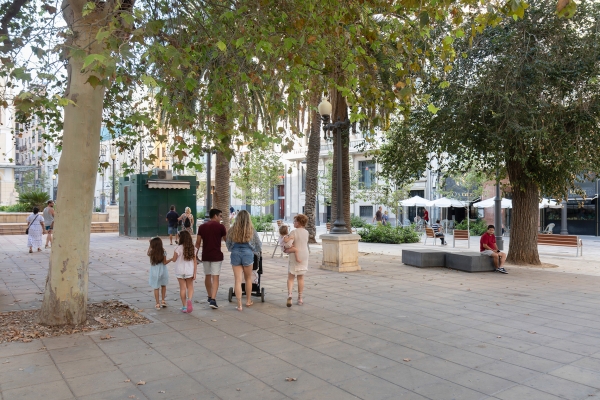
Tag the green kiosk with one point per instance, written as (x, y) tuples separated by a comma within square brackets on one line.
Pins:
[(145, 200)]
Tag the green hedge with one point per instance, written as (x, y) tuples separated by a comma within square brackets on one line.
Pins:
[(17, 208), (262, 223), (388, 234), (357, 222), (476, 228)]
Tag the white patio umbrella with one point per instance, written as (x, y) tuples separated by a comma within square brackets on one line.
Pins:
[(445, 202), (547, 203), (415, 201), (505, 203)]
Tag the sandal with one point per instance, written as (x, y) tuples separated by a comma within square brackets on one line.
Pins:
[(239, 307), (31, 251), (183, 309), (157, 306), (46, 247), (164, 304), (39, 249), (289, 301), (250, 304), (300, 301)]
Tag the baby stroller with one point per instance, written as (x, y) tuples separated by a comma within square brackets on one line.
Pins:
[(256, 289)]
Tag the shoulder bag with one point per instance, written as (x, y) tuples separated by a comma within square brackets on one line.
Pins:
[(27, 230)]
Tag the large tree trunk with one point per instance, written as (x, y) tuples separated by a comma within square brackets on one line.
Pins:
[(65, 297), (222, 188), (523, 234), (312, 167), (340, 111)]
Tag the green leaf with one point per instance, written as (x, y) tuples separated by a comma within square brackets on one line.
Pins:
[(94, 81), (148, 81), (221, 46), (100, 36), (88, 8), (432, 109), (460, 33), (91, 58)]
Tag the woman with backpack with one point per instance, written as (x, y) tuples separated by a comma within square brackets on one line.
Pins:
[(187, 221)]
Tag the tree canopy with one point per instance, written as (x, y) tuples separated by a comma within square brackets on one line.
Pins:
[(523, 99)]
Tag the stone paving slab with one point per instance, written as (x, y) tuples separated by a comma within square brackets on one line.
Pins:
[(389, 331)]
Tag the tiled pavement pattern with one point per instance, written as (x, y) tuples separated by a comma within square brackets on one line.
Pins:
[(387, 332)]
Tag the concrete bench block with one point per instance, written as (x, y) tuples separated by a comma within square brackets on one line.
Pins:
[(469, 262), (424, 258)]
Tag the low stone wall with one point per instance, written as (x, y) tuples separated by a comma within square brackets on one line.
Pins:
[(15, 217)]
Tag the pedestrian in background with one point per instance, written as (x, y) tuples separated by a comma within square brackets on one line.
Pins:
[(187, 220), (48, 214), (159, 275), (185, 269), (172, 218), (35, 230), (244, 243)]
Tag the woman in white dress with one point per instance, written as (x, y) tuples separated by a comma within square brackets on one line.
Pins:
[(35, 224), (297, 269)]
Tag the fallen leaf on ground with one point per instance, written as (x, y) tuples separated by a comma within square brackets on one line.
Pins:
[(105, 337), (291, 379), (41, 348), (161, 391), (141, 383), (238, 389), (101, 320), (532, 332), (132, 396), (128, 380), (213, 320), (406, 359)]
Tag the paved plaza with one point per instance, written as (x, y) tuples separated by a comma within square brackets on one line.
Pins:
[(389, 331)]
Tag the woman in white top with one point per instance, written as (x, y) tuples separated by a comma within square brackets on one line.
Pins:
[(298, 269), (36, 228)]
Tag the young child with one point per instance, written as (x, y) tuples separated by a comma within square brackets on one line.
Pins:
[(159, 275), (185, 269), (286, 242)]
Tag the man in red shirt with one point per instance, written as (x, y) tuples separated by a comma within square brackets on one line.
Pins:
[(212, 233), (426, 216), (487, 247)]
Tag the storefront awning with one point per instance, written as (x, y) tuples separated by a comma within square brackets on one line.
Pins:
[(163, 184)]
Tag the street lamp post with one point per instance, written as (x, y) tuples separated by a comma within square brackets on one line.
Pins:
[(102, 199), (54, 187), (325, 108), (113, 202), (498, 214)]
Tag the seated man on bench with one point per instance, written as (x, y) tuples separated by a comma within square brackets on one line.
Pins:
[(437, 231), (488, 247)]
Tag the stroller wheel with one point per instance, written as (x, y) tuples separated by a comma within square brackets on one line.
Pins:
[(230, 296), (262, 294)]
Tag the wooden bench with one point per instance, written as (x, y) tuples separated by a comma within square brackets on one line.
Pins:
[(562, 240), (460, 234), (429, 234)]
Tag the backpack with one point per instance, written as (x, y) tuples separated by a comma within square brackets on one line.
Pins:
[(187, 223)]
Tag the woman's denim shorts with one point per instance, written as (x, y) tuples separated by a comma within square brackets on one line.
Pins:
[(242, 254)]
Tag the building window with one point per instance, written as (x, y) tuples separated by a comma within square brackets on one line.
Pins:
[(366, 211), (303, 179), (367, 173)]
